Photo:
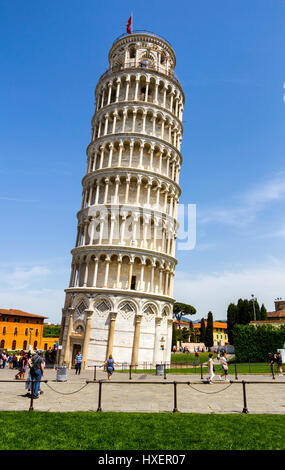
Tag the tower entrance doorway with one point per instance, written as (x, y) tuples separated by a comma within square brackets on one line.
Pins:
[(76, 349)]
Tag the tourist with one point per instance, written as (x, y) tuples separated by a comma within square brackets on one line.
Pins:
[(279, 363), (22, 367), (14, 361), (271, 363), (211, 368), (37, 371), (10, 361), (28, 381), (174, 349), (78, 362), (224, 367), (110, 366), (4, 360)]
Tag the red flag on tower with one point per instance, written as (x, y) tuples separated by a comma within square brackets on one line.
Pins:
[(129, 24)]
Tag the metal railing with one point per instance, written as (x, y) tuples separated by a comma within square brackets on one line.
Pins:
[(142, 31), (140, 66), (174, 383)]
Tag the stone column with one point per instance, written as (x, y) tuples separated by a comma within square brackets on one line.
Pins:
[(131, 152), (119, 272), (107, 180), (107, 264), (67, 355), (156, 339), (109, 92), (136, 342), (62, 328), (86, 338), (114, 122), (95, 272), (118, 89), (110, 154), (131, 264), (128, 180), (86, 274), (113, 316), (169, 340)]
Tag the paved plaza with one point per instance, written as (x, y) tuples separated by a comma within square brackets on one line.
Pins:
[(76, 395)]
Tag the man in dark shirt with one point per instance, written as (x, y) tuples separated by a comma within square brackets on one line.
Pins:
[(37, 371)]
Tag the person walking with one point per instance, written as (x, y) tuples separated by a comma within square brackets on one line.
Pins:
[(224, 367), (110, 366), (78, 362), (4, 360), (10, 361), (37, 372), (211, 368), (22, 367), (279, 363)]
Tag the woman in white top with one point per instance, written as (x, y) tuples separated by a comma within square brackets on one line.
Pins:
[(224, 367), (211, 368)]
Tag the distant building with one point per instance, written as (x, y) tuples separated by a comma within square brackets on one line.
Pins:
[(19, 330), (220, 334), (275, 318)]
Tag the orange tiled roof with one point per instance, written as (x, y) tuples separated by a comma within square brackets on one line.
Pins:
[(19, 313), (276, 314), (216, 324)]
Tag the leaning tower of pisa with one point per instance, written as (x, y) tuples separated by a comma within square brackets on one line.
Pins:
[(120, 297)]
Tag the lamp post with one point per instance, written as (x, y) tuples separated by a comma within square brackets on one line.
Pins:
[(254, 299), (30, 340)]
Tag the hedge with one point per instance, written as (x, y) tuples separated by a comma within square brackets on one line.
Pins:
[(254, 343)]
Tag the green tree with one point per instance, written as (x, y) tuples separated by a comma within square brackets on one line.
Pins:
[(209, 341), (202, 331), (232, 313), (182, 310), (263, 313), (192, 333), (185, 335)]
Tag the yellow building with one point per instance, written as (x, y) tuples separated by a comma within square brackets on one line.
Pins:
[(220, 334), (19, 330)]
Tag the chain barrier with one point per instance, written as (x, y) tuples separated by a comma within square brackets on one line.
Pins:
[(210, 393), (67, 393)]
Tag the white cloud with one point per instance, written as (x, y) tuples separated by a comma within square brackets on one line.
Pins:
[(250, 203), (46, 302), (214, 291), (20, 278)]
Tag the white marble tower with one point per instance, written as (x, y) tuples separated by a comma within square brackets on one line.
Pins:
[(120, 297)]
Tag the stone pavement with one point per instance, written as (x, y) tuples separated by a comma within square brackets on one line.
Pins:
[(75, 395)]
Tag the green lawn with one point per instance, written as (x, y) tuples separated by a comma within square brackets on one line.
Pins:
[(140, 431)]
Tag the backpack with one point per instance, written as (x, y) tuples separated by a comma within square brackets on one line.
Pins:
[(34, 362)]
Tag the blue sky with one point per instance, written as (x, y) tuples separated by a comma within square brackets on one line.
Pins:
[(230, 62)]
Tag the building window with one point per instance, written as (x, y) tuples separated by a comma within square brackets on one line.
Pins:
[(5, 319), (14, 345), (25, 344), (133, 282), (35, 344), (2, 344), (27, 320), (26, 331), (16, 320), (132, 53), (15, 331), (45, 347), (4, 330), (37, 332)]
